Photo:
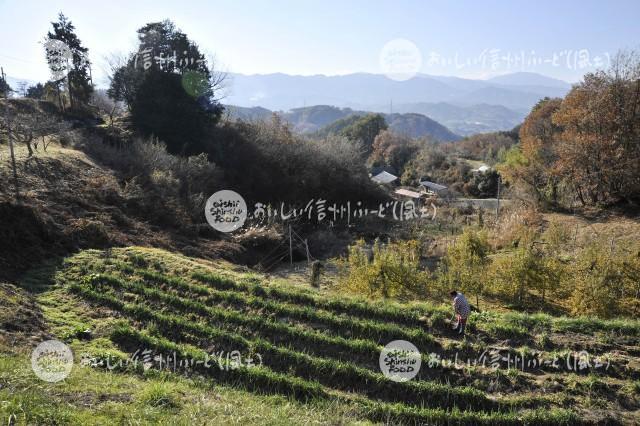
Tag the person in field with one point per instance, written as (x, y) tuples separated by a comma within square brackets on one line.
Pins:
[(461, 309)]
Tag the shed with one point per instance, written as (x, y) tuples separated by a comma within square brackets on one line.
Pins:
[(384, 177), (408, 193), (434, 187)]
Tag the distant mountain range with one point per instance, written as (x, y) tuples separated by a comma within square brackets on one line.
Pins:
[(465, 106), (323, 119)]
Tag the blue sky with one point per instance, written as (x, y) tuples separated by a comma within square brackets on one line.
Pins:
[(476, 39)]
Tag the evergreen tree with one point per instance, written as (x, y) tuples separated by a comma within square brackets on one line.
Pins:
[(5, 89), (66, 55), (169, 89), (36, 91)]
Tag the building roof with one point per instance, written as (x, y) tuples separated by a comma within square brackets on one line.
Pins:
[(408, 193), (433, 186), (384, 177), (482, 169)]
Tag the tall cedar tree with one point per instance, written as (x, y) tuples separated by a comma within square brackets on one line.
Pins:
[(168, 89), (78, 77)]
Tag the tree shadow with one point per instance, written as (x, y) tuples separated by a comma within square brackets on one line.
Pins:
[(41, 278)]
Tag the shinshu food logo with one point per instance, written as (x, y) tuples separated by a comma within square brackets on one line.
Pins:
[(226, 211)]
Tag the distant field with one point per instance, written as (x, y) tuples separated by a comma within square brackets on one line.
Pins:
[(318, 351)]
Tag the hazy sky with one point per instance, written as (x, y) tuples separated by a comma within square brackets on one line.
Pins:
[(476, 39)]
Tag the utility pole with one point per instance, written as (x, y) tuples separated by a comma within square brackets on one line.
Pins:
[(13, 157), (498, 199)]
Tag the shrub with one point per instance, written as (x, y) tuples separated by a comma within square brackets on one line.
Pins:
[(465, 264), (88, 233), (166, 188), (391, 270), (526, 269), (598, 282), (292, 169)]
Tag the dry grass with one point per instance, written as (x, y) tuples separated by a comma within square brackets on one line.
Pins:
[(69, 202), (613, 228)]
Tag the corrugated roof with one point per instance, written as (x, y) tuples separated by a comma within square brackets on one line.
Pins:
[(384, 177), (408, 193), (433, 186)]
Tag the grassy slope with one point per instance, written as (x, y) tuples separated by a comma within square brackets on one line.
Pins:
[(71, 201), (94, 396), (180, 303), (89, 396)]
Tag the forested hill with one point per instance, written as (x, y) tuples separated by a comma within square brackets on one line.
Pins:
[(325, 119)]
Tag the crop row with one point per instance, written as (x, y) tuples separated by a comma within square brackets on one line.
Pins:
[(189, 307), (253, 378), (366, 358), (424, 373), (367, 310), (411, 315), (266, 381), (340, 375), (263, 380), (228, 318), (353, 327)]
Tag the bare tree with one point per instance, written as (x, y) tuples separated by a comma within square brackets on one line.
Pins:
[(110, 107), (22, 129), (47, 126), (27, 127), (5, 127), (218, 81)]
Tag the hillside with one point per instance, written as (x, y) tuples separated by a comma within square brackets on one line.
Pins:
[(325, 119), (466, 120), (241, 213), (528, 79), (417, 125), (317, 349), (74, 269), (72, 199)]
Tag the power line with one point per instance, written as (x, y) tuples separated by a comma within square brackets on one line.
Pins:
[(18, 59)]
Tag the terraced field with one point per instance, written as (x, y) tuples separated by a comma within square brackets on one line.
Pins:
[(236, 328)]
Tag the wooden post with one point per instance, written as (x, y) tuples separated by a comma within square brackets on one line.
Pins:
[(306, 246), (316, 269)]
